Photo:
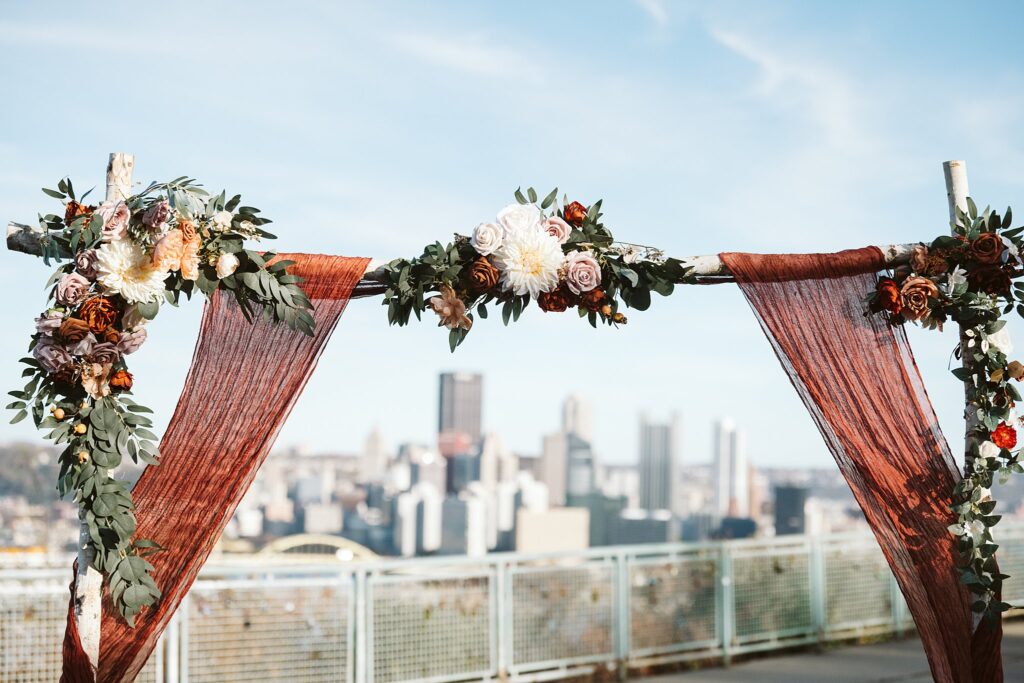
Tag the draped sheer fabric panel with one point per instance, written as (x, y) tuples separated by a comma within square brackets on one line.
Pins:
[(242, 385), (857, 377)]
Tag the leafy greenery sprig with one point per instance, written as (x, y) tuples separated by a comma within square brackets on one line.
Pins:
[(629, 273), (969, 277), (99, 425)]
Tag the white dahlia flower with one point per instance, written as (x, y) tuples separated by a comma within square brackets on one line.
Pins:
[(520, 218), (125, 269), (529, 261)]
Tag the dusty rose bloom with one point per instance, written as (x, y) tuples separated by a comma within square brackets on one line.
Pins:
[(131, 341), (582, 272), (916, 292), (115, 220), (157, 215), (53, 357), (71, 289), (104, 353), (85, 264), (49, 322), (558, 229)]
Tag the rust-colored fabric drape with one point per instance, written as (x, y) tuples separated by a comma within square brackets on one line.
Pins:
[(243, 383), (857, 377)]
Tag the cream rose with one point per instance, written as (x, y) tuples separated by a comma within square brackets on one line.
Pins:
[(487, 238), (558, 229), (226, 265), (582, 272), (222, 219), (520, 217)]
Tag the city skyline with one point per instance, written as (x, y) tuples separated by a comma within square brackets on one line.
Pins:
[(770, 111)]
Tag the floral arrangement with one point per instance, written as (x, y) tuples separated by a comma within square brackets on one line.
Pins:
[(126, 258), (557, 254), (968, 277)]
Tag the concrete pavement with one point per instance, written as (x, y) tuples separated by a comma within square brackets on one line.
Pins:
[(894, 662)]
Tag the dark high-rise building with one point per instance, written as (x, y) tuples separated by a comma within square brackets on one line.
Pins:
[(659, 466), (459, 406), (789, 510)]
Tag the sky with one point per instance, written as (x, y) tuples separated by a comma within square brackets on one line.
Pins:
[(374, 128)]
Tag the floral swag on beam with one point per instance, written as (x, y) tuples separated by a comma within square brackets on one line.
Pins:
[(970, 277), (127, 257)]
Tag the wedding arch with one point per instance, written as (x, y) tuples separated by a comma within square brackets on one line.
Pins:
[(834, 323)]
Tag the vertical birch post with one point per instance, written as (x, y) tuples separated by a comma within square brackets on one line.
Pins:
[(88, 581), (957, 192)]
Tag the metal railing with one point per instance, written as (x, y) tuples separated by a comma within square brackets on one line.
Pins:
[(524, 617)]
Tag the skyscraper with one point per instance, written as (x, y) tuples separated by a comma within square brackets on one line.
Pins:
[(459, 407), (790, 516), (731, 472), (659, 463), (576, 417)]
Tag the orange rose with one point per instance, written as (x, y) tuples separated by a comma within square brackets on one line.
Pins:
[(99, 313), (73, 210), (179, 250), (73, 330), (1004, 436), (987, 248), (914, 295), (121, 380), (887, 296), (483, 276), (575, 214)]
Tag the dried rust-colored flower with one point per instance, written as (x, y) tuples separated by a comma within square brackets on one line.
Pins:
[(925, 261), (915, 295), (1004, 436), (887, 296), (73, 330), (121, 380), (1015, 370), (575, 213), (987, 248), (99, 312), (483, 276), (593, 300), (73, 210), (111, 335), (989, 279), (555, 301)]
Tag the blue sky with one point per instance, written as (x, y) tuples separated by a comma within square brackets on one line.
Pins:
[(375, 128)]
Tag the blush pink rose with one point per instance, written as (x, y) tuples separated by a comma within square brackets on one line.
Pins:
[(558, 229), (131, 341), (71, 289), (582, 272), (115, 220)]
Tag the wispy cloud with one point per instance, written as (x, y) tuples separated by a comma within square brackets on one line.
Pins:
[(822, 92), (656, 10), (471, 55)]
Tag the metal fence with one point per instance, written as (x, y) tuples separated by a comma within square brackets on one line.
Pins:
[(524, 617)]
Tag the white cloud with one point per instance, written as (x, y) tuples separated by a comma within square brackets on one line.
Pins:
[(472, 55)]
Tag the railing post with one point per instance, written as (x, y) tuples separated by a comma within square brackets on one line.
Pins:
[(819, 617), (622, 613), (726, 604), (362, 651), (347, 582), (177, 643), (498, 618)]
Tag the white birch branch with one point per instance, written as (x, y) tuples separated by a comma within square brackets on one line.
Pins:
[(88, 581)]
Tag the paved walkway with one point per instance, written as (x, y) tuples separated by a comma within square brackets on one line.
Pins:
[(895, 662)]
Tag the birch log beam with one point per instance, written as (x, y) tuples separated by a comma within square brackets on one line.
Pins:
[(88, 581)]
